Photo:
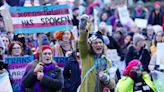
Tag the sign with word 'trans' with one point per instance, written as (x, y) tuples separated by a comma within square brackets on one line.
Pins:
[(39, 19)]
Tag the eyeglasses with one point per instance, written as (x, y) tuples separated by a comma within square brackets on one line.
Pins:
[(16, 47), (47, 53)]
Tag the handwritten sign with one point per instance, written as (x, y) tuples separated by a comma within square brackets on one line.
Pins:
[(141, 23), (39, 19), (124, 15)]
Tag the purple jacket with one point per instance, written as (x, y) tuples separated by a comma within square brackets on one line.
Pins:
[(51, 82)]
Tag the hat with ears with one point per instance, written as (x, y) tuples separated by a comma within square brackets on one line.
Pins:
[(131, 64), (44, 47)]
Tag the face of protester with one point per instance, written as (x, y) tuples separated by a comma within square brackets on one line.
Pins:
[(98, 46), (127, 39), (157, 7), (16, 50), (140, 44), (159, 37), (5, 41), (47, 56), (117, 36), (137, 70), (76, 12), (104, 16), (66, 36), (150, 30)]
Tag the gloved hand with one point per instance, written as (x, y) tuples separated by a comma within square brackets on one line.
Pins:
[(104, 77), (83, 22)]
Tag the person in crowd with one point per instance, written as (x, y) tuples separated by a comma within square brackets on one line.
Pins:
[(5, 77), (138, 51), (64, 44), (127, 43), (15, 49), (139, 11), (104, 17), (94, 62), (119, 36), (157, 39), (156, 15), (75, 19), (135, 79), (2, 49), (23, 40), (42, 75), (72, 73), (6, 42)]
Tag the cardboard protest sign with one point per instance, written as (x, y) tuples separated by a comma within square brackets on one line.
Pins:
[(7, 19), (117, 3), (141, 23), (124, 15), (160, 57), (38, 19), (17, 66)]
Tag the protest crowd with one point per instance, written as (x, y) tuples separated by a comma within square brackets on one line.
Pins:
[(81, 45)]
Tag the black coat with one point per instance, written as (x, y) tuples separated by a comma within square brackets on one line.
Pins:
[(71, 74), (143, 55)]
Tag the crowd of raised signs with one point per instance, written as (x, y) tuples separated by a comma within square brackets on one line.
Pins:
[(128, 34)]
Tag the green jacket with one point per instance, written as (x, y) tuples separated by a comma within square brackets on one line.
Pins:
[(126, 84), (88, 85)]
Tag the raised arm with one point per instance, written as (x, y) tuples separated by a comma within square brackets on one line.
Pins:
[(82, 43)]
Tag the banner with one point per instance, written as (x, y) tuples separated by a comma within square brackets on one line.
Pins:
[(160, 57), (39, 19), (17, 66)]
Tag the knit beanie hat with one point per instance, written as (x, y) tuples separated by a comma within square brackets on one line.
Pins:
[(137, 37), (45, 40), (44, 47)]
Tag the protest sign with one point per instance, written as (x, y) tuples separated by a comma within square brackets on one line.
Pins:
[(5, 85), (60, 61), (38, 19), (7, 19), (118, 3), (124, 15), (141, 23), (17, 66), (160, 57)]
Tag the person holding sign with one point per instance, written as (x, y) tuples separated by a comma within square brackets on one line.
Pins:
[(64, 44), (43, 76), (95, 64), (135, 79)]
